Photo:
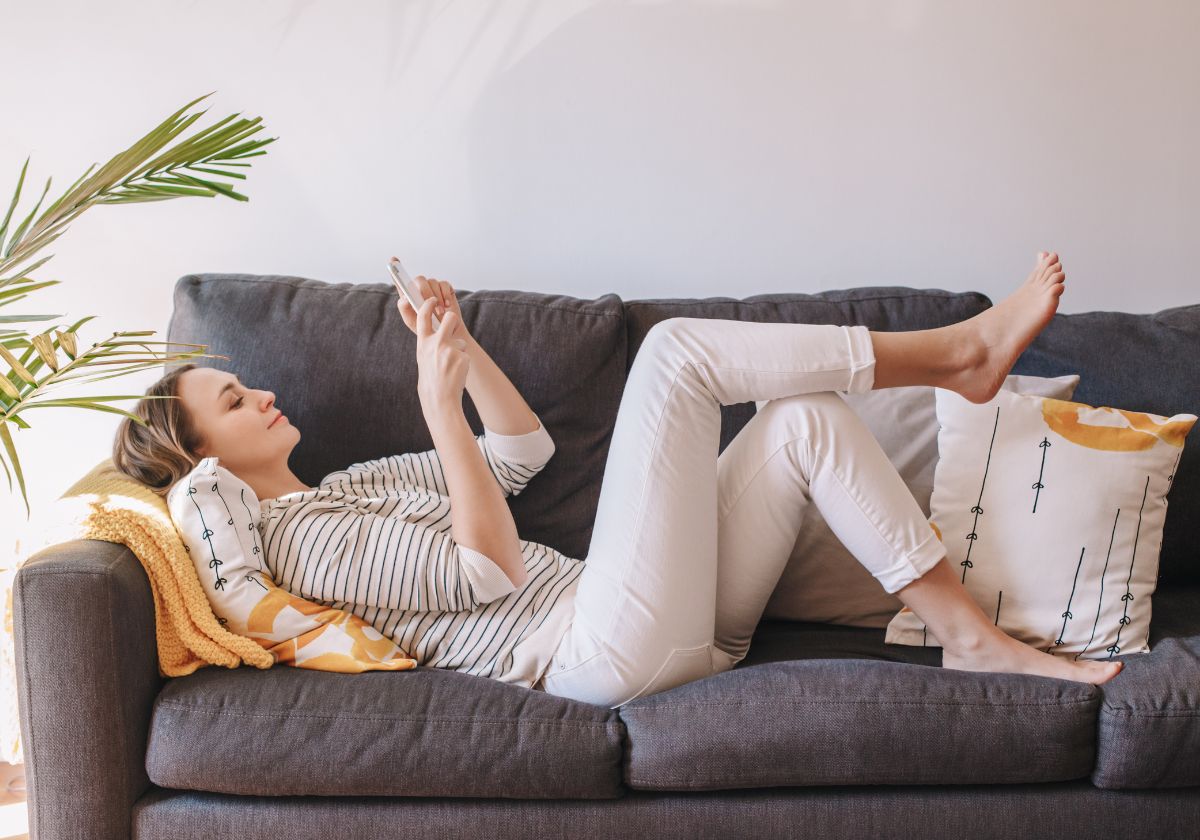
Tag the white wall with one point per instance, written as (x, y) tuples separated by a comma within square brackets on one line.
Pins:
[(581, 147)]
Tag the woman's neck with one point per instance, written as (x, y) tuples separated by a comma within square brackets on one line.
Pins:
[(273, 486)]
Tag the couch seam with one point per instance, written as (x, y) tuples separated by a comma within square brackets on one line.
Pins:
[(707, 784), (774, 702), (1153, 713), (663, 302), (122, 724), (34, 792), (387, 718), (387, 291)]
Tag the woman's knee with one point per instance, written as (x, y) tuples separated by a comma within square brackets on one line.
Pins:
[(669, 332), (803, 415)]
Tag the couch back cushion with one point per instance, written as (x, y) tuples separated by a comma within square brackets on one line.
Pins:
[(1148, 363), (342, 365)]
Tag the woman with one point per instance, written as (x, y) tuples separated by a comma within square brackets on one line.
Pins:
[(686, 548)]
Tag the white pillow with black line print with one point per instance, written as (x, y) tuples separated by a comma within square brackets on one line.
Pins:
[(216, 515), (1052, 515)]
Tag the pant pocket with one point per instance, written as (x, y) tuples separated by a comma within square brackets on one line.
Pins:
[(682, 665), (579, 669)]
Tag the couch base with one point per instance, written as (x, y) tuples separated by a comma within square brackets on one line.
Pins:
[(1062, 811)]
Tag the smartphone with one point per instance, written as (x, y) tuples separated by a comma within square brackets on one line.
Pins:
[(408, 287)]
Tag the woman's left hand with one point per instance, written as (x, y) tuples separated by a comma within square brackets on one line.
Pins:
[(443, 293)]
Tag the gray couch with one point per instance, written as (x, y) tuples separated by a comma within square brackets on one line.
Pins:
[(823, 731)]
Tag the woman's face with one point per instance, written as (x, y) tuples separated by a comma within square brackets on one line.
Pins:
[(235, 422)]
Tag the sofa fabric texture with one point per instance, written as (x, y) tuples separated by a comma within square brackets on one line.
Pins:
[(823, 729), (439, 734)]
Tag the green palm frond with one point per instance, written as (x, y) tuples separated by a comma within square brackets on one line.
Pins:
[(152, 169)]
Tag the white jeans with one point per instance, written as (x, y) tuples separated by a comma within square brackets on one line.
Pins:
[(687, 547)]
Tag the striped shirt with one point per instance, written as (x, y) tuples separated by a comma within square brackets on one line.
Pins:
[(374, 539)]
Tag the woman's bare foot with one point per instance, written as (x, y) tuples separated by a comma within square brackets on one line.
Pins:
[(997, 336), (1001, 652)]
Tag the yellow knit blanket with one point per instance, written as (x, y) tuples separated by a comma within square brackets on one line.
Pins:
[(107, 505)]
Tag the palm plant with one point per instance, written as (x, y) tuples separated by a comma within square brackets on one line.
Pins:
[(143, 172)]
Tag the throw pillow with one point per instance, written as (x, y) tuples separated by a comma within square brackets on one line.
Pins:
[(218, 518), (1052, 512), (823, 581)]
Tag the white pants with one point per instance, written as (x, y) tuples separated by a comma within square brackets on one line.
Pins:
[(688, 547)]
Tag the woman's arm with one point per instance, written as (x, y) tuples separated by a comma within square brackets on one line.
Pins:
[(500, 405), (482, 520)]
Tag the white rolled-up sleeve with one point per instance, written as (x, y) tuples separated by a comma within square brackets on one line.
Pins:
[(488, 581)]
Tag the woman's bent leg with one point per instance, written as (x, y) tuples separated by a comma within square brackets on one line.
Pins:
[(645, 607), (796, 451)]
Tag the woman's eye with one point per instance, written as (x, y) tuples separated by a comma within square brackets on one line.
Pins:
[(237, 402)]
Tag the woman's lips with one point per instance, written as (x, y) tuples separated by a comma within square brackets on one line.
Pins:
[(281, 416)]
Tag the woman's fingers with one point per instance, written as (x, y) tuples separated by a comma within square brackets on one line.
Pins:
[(430, 286), (440, 290), (425, 318)]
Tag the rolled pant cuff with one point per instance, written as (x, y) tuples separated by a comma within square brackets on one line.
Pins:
[(862, 359), (919, 561)]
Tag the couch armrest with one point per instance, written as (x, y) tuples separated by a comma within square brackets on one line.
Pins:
[(87, 676)]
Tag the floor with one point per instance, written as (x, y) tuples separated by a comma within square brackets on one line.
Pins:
[(14, 821)]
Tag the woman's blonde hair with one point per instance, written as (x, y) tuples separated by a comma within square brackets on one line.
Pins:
[(161, 452)]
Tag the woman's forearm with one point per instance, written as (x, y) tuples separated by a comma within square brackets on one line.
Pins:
[(481, 518), (500, 405)]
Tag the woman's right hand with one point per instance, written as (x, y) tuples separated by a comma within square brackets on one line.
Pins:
[(442, 360)]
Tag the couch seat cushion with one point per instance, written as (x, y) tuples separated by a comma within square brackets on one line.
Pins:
[(819, 704), (426, 732), (1149, 734)]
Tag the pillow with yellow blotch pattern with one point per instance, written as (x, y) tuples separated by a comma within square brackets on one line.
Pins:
[(1052, 515), (217, 516)]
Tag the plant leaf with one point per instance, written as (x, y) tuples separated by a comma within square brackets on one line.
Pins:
[(6, 438), (20, 231), (14, 319), (85, 400), (23, 274), (13, 204), (82, 404), (68, 190), (45, 348), (20, 369), (215, 171), (212, 185)]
